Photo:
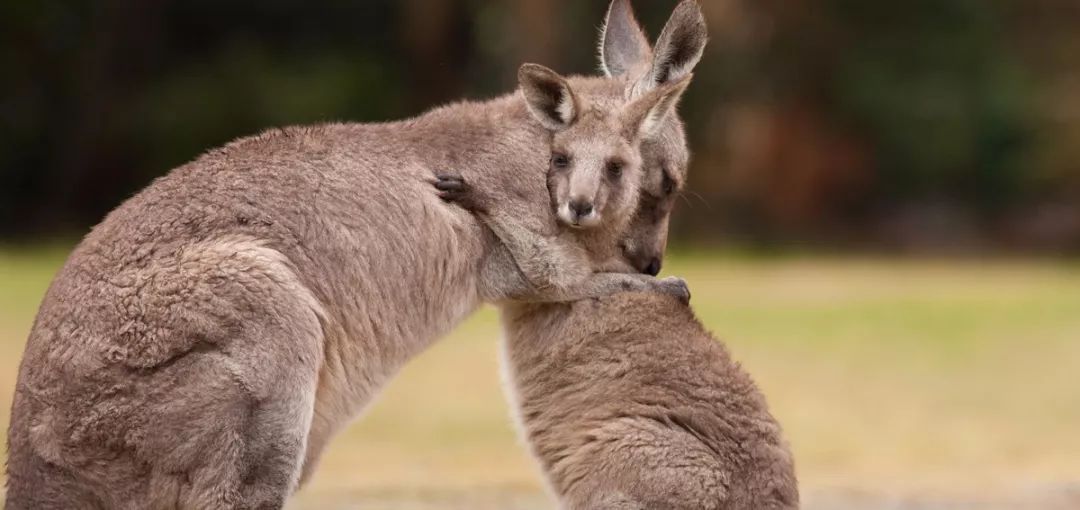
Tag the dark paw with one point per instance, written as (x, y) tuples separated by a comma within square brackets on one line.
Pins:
[(676, 286), (453, 189)]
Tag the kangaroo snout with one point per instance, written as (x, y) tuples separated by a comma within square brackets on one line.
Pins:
[(580, 213), (581, 208), (652, 267), (646, 263)]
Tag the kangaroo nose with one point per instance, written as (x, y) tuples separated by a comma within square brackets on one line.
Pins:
[(653, 268), (581, 208)]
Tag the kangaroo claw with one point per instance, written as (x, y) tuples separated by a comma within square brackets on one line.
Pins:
[(677, 287), (453, 189)]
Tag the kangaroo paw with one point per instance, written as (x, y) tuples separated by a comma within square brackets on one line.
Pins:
[(453, 189), (676, 287)]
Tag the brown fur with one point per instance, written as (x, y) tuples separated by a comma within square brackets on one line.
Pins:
[(626, 401), (202, 344), (625, 54), (552, 264)]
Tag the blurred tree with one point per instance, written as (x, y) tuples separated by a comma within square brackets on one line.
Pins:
[(825, 121), (437, 39)]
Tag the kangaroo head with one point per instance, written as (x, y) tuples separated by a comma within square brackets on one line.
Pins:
[(625, 54), (595, 170)]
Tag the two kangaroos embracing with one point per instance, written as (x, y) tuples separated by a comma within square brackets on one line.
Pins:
[(203, 344)]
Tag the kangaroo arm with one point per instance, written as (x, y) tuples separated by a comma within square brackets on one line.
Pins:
[(543, 260), (558, 272), (547, 264), (599, 285), (553, 269)]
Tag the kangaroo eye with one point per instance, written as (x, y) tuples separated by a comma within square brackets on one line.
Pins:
[(614, 169), (560, 160)]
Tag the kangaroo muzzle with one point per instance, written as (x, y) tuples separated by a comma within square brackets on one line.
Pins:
[(579, 213)]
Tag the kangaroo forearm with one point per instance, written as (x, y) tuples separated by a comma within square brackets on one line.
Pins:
[(540, 259), (595, 286)]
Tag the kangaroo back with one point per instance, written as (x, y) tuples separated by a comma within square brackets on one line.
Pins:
[(628, 398)]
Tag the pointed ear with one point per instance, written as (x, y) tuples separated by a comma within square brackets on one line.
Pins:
[(645, 116), (679, 48), (548, 96), (623, 45)]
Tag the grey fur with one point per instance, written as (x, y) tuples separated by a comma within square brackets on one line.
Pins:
[(202, 344), (626, 401), (599, 128), (623, 45), (678, 49), (665, 157)]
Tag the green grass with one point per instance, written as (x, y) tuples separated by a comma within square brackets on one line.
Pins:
[(887, 375)]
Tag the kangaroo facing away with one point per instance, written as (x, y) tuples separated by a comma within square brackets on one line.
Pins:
[(628, 403), (204, 342)]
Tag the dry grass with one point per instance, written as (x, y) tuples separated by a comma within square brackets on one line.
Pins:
[(944, 379)]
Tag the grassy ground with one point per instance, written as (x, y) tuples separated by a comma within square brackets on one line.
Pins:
[(901, 384)]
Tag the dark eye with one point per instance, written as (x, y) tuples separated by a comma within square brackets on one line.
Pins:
[(669, 185), (614, 169), (560, 160)]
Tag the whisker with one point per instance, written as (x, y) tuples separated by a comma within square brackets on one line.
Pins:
[(697, 196), (686, 200)]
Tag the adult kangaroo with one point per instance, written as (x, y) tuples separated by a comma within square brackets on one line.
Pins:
[(626, 401), (204, 342)]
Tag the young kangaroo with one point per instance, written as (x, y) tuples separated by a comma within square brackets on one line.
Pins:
[(594, 179), (203, 343)]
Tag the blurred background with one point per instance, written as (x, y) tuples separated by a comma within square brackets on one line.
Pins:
[(882, 221)]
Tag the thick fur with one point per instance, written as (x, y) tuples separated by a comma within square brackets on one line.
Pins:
[(625, 54), (627, 402), (179, 379), (604, 132), (202, 344)]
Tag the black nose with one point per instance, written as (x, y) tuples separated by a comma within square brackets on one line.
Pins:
[(581, 208), (653, 268)]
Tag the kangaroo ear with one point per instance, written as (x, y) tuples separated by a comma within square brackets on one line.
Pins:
[(623, 45), (645, 116), (548, 96), (679, 48)]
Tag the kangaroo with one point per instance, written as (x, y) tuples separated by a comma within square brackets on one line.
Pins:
[(229, 317), (594, 178), (625, 54), (626, 400), (201, 345)]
